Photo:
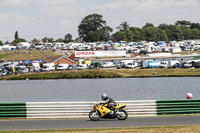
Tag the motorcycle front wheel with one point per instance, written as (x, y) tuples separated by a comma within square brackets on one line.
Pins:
[(94, 116), (122, 114)]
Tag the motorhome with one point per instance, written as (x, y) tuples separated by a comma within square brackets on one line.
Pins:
[(36, 67), (48, 67)]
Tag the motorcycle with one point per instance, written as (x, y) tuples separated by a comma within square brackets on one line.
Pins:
[(101, 111)]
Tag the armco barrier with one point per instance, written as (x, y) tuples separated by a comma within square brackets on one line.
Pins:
[(34, 110), (175, 107), (12, 110)]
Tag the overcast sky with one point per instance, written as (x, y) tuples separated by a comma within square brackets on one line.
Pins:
[(55, 18)]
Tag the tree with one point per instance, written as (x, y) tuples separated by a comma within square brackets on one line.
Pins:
[(1, 43), (195, 25), (137, 35), (195, 34), (60, 40), (123, 26), (18, 40), (16, 35), (183, 23), (119, 36), (93, 28), (150, 33), (46, 39), (148, 25), (7, 42), (68, 38), (186, 32)]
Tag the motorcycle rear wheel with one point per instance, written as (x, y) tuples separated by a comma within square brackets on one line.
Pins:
[(94, 116), (123, 114)]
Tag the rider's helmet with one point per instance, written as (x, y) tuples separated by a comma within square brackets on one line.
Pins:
[(104, 96)]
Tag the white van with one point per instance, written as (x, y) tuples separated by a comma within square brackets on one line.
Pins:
[(108, 64), (62, 66), (48, 67)]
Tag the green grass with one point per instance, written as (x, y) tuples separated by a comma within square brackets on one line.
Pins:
[(106, 73), (26, 55), (168, 129)]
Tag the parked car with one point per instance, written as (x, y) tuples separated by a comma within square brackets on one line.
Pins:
[(94, 65), (62, 66), (82, 66), (131, 65), (48, 67)]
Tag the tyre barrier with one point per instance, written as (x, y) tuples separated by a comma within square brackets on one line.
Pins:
[(48, 110)]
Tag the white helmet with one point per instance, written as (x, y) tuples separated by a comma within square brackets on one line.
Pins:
[(103, 96)]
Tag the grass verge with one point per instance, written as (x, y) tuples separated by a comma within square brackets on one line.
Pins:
[(169, 129), (106, 73)]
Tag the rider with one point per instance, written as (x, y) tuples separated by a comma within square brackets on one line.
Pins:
[(108, 100)]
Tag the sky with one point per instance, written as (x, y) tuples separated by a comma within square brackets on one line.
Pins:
[(56, 18)]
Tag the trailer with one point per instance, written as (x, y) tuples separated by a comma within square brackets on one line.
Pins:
[(150, 64)]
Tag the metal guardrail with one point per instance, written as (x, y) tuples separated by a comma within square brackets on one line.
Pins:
[(34, 110)]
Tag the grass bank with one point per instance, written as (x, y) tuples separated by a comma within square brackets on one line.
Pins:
[(106, 73), (26, 54), (172, 129)]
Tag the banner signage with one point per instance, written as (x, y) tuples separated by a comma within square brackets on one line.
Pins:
[(100, 53)]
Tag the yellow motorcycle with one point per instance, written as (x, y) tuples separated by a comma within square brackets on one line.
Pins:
[(101, 111)]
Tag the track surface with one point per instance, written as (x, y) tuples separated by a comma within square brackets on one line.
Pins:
[(85, 123)]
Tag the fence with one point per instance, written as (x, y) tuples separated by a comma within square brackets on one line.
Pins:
[(34, 110)]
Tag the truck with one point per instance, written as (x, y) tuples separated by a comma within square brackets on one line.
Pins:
[(170, 64), (48, 67), (124, 63), (150, 64)]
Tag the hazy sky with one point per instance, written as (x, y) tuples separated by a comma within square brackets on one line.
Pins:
[(55, 18)]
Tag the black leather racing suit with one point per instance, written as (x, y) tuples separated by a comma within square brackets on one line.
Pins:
[(111, 103)]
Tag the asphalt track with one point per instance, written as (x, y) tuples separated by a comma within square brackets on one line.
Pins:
[(86, 123)]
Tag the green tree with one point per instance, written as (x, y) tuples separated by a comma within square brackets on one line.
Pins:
[(18, 40), (137, 34), (195, 25), (16, 35), (7, 42), (123, 26), (60, 40), (120, 36), (1, 43), (183, 23), (129, 35), (195, 34), (161, 35), (93, 28), (150, 33), (148, 25), (186, 32), (68, 38), (46, 39)]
